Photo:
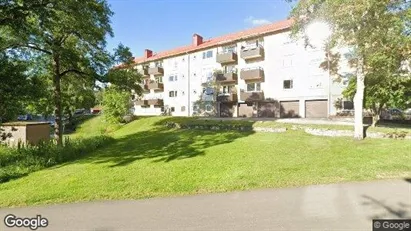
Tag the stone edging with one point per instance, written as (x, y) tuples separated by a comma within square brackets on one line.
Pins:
[(311, 131)]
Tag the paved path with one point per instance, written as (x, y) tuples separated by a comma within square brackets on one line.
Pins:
[(349, 206)]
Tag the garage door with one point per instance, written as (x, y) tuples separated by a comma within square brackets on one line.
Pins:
[(290, 109), (245, 110), (316, 108), (226, 110), (268, 109)]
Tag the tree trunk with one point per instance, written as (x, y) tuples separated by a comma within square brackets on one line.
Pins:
[(375, 119), (358, 102), (58, 127)]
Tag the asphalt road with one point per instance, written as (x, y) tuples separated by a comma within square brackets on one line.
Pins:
[(349, 206)]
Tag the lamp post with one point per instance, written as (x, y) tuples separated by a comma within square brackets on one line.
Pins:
[(319, 33)]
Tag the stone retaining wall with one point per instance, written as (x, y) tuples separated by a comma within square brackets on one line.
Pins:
[(312, 131)]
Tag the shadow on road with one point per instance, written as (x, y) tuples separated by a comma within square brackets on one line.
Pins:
[(398, 211)]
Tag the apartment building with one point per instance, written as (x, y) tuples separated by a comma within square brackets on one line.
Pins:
[(259, 72)]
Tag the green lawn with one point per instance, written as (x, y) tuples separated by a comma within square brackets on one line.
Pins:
[(148, 160)]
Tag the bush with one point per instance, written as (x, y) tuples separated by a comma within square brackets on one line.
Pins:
[(24, 159), (116, 104)]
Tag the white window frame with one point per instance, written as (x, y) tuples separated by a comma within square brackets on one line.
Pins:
[(172, 94), (255, 87), (206, 54)]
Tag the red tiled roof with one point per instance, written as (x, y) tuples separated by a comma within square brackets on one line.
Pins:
[(225, 39)]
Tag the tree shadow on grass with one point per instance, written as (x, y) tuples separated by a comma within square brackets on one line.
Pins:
[(163, 145)]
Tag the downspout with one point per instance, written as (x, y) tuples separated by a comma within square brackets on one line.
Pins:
[(189, 90)]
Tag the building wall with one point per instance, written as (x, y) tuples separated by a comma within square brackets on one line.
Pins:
[(285, 59), (31, 133)]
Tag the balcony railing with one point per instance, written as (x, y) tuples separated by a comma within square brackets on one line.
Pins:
[(229, 97), (144, 87), (251, 96), (155, 102), (252, 52), (144, 72), (225, 57), (156, 86), (156, 70), (229, 77), (252, 74), (141, 102)]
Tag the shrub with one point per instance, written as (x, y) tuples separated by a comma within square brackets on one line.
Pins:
[(19, 161), (116, 104)]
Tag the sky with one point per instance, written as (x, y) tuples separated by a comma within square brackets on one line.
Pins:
[(165, 24)]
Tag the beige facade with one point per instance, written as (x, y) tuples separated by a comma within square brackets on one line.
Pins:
[(26, 132)]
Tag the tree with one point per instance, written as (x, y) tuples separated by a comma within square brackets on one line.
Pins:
[(16, 87), (124, 81), (390, 92), (209, 95), (377, 31), (116, 104), (69, 36), (77, 93)]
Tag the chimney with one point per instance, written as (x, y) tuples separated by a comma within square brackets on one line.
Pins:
[(197, 40), (148, 53)]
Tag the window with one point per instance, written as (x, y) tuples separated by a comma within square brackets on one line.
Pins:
[(158, 64), (254, 87), (159, 79), (162, 109), (229, 68), (175, 64), (172, 78), (172, 93), (226, 89), (173, 109), (145, 106), (208, 91), (207, 54), (348, 105), (287, 84), (229, 49), (133, 97), (208, 108), (183, 108)]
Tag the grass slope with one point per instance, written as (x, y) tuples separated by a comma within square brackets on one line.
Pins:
[(148, 160)]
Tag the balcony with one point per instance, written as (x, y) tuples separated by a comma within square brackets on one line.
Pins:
[(155, 71), (155, 102), (252, 52), (144, 88), (252, 74), (141, 102), (156, 86), (251, 96), (227, 57), (229, 77), (231, 97), (144, 72)]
